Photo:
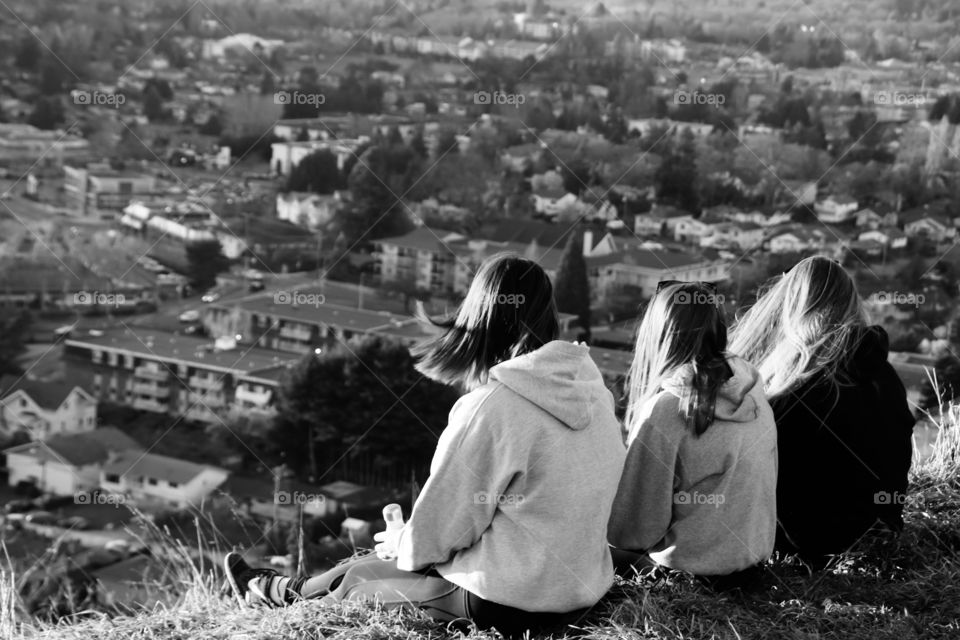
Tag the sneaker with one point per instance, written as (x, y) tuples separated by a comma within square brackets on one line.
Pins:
[(249, 585)]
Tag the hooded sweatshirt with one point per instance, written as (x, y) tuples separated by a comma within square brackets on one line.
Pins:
[(521, 486), (704, 504), (845, 452)]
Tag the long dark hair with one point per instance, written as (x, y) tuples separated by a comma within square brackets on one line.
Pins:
[(683, 325), (508, 311)]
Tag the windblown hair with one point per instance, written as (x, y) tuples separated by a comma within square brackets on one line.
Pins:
[(682, 326), (508, 311), (806, 324)]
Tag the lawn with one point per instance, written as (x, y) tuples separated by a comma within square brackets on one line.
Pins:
[(890, 588)]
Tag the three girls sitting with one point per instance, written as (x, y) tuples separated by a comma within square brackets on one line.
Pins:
[(699, 488)]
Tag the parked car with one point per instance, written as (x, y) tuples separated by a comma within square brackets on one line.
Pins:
[(41, 517), (190, 315)]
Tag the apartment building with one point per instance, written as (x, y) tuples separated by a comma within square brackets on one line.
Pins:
[(299, 320), (197, 378)]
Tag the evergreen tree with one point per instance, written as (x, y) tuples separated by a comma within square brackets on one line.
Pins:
[(676, 177)]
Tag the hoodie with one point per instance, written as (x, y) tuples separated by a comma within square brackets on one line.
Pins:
[(521, 486), (845, 452), (704, 504)]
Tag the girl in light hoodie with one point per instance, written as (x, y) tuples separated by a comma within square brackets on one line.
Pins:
[(509, 531), (698, 491)]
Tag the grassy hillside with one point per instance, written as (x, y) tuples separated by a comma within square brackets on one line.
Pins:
[(897, 589)]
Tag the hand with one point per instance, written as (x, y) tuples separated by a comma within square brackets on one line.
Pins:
[(389, 539)]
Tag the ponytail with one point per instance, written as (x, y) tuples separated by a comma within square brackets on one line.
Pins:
[(700, 398)]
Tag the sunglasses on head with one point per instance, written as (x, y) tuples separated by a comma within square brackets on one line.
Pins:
[(710, 286)]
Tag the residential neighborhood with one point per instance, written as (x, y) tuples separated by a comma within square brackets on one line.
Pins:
[(224, 226)]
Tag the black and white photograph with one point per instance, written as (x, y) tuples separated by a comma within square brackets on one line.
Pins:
[(480, 319)]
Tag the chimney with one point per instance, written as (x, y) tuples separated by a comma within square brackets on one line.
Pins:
[(587, 242)]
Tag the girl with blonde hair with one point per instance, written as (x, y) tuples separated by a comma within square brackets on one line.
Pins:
[(843, 423), (698, 491)]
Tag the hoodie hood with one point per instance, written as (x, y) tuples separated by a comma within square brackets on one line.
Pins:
[(872, 350), (560, 377), (736, 400)]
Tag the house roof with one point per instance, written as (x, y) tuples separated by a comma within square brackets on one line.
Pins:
[(79, 449), (47, 394), (152, 465), (424, 239), (648, 258), (525, 231), (199, 352)]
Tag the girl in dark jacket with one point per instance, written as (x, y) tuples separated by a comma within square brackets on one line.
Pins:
[(844, 428)]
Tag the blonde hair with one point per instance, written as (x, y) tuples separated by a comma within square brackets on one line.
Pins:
[(807, 323), (683, 325)]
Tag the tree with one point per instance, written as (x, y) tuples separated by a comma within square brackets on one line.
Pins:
[(153, 104), (212, 127), (28, 53), (15, 328), (205, 260), (317, 172), (362, 407), (677, 175), (268, 84), (47, 113), (572, 288)]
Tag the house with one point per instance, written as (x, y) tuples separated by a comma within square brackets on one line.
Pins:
[(836, 208), (889, 237), (871, 219), (660, 220), (688, 229), (641, 269), (286, 156), (930, 227), (311, 210), (797, 240), (725, 235), (66, 463), (98, 187), (153, 479), (42, 409)]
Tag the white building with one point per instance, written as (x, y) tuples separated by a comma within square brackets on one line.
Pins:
[(311, 210), (42, 409), (155, 479), (66, 463), (285, 156), (836, 209)]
